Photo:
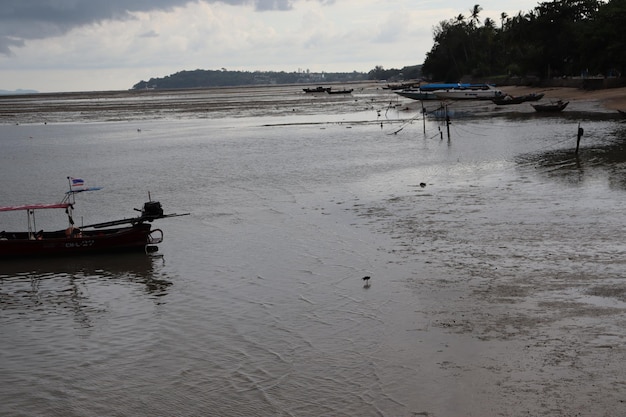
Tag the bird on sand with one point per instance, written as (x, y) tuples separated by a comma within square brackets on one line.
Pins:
[(366, 279)]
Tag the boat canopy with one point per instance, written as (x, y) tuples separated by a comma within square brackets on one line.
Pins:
[(454, 86), (35, 207)]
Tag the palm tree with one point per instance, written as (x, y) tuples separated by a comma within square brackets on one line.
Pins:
[(474, 15)]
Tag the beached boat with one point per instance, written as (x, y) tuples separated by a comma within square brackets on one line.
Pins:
[(344, 91), (483, 92), (417, 94), (316, 90), (552, 107), (136, 234), (508, 99), (453, 86)]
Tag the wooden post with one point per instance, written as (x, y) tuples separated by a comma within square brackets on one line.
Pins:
[(423, 116), (581, 131), (448, 122)]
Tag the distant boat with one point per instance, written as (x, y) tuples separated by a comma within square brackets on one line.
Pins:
[(417, 94), (552, 107), (344, 91), (622, 112), (507, 99), (316, 90)]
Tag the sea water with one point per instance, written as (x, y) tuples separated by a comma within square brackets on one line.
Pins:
[(256, 305)]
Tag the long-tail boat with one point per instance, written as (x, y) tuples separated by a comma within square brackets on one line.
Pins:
[(125, 235)]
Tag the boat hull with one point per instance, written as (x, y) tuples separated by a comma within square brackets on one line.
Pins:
[(127, 239), (417, 94), (550, 108), (488, 94)]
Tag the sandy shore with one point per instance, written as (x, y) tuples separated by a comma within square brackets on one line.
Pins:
[(610, 99), (258, 101)]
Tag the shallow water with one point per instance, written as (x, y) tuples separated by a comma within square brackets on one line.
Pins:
[(256, 306)]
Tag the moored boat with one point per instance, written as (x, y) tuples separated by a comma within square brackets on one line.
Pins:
[(319, 89), (344, 91), (551, 107), (417, 94), (135, 234), (508, 99), (483, 92)]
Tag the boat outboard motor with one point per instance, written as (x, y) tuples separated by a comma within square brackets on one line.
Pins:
[(152, 210)]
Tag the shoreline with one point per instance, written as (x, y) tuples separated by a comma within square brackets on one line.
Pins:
[(610, 98)]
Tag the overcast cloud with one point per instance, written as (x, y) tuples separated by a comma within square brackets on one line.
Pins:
[(78, 45)]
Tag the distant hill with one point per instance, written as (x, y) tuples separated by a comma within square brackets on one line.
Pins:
[(17, 92), (224, 78)]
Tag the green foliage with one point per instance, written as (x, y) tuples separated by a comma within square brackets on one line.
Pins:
[(224, 78), (557, 38)]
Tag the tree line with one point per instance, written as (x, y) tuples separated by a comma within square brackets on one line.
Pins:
[(224, 78), (555, 39)]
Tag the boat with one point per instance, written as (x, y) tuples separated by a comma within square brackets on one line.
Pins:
[(402, 86), (316, 90), (552, 107), (125, 235), (479, 92), (417, 94), (344, 91), (453, 86), (508, 99)]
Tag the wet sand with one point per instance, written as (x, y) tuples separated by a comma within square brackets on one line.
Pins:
[(264, 101)]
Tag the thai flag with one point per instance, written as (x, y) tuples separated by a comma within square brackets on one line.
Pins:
[(77, 182)]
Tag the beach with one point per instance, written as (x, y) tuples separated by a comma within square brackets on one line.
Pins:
[(610, 99), (495, 253)]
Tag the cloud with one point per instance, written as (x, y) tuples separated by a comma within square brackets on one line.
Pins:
[(21, 21)]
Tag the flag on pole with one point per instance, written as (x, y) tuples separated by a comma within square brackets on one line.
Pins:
[(76, 182)]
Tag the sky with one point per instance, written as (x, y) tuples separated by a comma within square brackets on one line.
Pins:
[(101, 45)]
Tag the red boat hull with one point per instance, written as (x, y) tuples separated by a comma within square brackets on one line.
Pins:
[(127, 239)]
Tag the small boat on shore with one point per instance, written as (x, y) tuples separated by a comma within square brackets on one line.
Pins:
[(344, 91), (480, 92), (417, 94), (319, 89), (136, 234), (508, 99), (552, 107)]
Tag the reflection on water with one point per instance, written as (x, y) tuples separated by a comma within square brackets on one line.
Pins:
[(64, 283), (603, 159)]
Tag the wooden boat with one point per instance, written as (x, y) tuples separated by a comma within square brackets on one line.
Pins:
[(344, 91), (453, 86), (136, 234), (552, 107), (402, 86), (507, 99), (417, 94), (316, 90), (482, 92)]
